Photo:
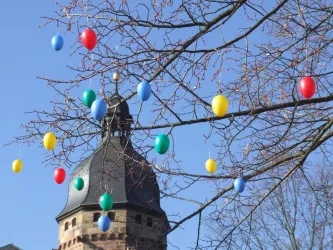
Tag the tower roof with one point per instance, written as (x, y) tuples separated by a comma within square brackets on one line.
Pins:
[(10, 247), (118, 168), (122, 107)]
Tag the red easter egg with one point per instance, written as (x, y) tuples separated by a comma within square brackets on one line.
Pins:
[(307, 87), (59, 175), (89, 39)]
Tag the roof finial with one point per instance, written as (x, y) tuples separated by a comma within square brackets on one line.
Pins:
[(116, 79)]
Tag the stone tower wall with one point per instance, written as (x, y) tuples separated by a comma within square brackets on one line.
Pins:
[(125, 233), (69, 238)]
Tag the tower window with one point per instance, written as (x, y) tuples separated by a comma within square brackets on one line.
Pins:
[(120, 236), (111, 216), (96, 216), (94, 237), (69, 243), (74, 222), (85, 237), (103, 237), (149, 222), (74, 241), (112, 237), (138, 218), (66, 226)]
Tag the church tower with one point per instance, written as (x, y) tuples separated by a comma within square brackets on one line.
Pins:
[(137, 220)]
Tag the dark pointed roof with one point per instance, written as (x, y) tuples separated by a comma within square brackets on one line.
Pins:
[(10, 247), (122, 107)]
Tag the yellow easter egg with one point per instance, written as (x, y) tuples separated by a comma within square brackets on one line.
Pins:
[(17, 166), (211, 166), (220, 105), (49, 141)]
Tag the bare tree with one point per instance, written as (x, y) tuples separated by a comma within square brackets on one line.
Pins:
[(184, 49), (297, 215)]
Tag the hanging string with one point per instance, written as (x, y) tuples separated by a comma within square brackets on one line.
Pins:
[(86, 7), (208, 153), (19, 152), (306, 54), (105, 186), (219, 84), (57, 28), (91, 64)]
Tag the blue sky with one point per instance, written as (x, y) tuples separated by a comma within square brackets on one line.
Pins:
[(31, 199)]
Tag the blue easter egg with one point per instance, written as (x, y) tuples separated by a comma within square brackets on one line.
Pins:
[(57, 42), (144, 90), (104, 223), (239, 185), (98, 109)]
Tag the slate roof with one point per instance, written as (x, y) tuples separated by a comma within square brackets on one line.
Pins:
[(10, 247), (122, 107), (131, 182)]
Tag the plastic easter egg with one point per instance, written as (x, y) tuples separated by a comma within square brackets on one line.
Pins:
[(59, 175), (89, 39), (211, 166), (307, 87), (106, 202), (79, 183), (144, 90), (162, 144), (88, 97), (239, 185), (57, 42), (17, 166), (104, 223), (50, 141), (220, 105), (98, 109)]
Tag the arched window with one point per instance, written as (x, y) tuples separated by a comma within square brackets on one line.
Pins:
[(121, 236), (96, 217), (69, 243), (74, 222), (66, 226), (85, 237), (138, 218), (103, 237), (94, 237), (74, 241), (112, 237), (64, 245), (60, 247), (149, 221), (111, 216)]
